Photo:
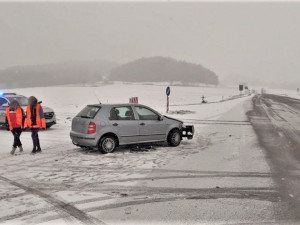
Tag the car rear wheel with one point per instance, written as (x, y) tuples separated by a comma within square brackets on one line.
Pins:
[(174, 138), (107, 144)]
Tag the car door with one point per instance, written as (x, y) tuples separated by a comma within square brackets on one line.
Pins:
[(3, 105), (151, 127), (124, 124)]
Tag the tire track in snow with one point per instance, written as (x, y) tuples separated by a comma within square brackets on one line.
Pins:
[(178, 177), (264, 194), (191, 175), (59, 205), (145, 196), (12, 196)]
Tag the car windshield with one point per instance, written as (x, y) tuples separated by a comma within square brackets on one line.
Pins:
[(89, 112), (23, 101)]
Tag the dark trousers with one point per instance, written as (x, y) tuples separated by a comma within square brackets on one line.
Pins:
[(35, 138), (17, 133)]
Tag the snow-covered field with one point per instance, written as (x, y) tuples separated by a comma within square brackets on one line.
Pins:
[(289, 93), (67, 101), (66, 173)]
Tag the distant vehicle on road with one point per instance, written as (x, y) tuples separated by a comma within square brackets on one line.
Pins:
[(106, 126), (6, 98)]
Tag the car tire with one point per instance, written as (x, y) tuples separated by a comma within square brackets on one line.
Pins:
[(174, 138), (107, 144)]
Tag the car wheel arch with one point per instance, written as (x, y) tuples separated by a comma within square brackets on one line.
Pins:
[(109, 134), (174, 128), (171, 128), (169, 136)]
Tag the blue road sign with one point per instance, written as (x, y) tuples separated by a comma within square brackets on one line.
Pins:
[(168, 91)]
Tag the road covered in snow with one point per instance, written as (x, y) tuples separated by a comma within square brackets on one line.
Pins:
[(276, 120), (221, 176)]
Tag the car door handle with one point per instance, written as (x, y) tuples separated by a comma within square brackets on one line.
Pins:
[(142, 124), (115, 124)]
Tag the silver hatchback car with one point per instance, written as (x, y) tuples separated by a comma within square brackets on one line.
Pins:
[(106, 126)]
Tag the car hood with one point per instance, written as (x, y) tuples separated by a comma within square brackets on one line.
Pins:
[(170, 118), (45, 109)]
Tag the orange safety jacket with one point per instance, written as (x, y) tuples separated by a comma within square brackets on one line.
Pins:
[(14, 119), (40, 122)]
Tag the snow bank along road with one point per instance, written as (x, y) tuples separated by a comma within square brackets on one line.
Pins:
[(221, 176)]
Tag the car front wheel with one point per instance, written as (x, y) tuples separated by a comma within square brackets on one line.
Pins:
[(107, 144), (174, 138)]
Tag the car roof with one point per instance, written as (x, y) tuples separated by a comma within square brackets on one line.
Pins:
[(7, 96), (11, 95)]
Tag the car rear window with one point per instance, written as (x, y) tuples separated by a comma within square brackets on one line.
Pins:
[(89, 112)]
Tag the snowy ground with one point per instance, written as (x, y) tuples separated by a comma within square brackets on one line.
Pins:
[(289, 93), (222, 165)]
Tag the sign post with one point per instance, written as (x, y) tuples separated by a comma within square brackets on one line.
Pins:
[(241, 88), (168, 92)]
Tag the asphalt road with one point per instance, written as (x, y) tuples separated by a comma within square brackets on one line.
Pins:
[(276, 121)]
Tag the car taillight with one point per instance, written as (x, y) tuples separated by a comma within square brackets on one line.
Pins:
[(92, 128)]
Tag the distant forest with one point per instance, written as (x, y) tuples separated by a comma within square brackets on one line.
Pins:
[(155, 69), (163, 69), (55, 74)]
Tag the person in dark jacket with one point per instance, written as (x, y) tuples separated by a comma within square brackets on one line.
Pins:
[(35, 120), (15, 115)]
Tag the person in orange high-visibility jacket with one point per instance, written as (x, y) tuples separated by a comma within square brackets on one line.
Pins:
[(15, 116), (35, 120)]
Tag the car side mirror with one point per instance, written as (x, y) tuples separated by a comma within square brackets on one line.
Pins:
[(161, 118)]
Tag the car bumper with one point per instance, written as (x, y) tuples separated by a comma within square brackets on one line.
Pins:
[(188, 132), (49, 124), (83, 140), (50, 121)]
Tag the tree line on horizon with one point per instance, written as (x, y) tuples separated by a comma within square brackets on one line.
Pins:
[(163, 69), (154, 69)]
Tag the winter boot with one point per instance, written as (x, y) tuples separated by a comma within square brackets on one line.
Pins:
[(39, 150), (13, 150), (21, 148), (33, 151)]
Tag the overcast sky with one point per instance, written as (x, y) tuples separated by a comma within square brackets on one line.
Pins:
[(245, 39)]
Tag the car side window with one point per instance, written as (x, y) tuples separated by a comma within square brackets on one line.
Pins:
[(146, 114), (3, 102), (121, 113)]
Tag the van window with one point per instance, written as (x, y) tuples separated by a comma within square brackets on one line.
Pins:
[(89, 112)]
